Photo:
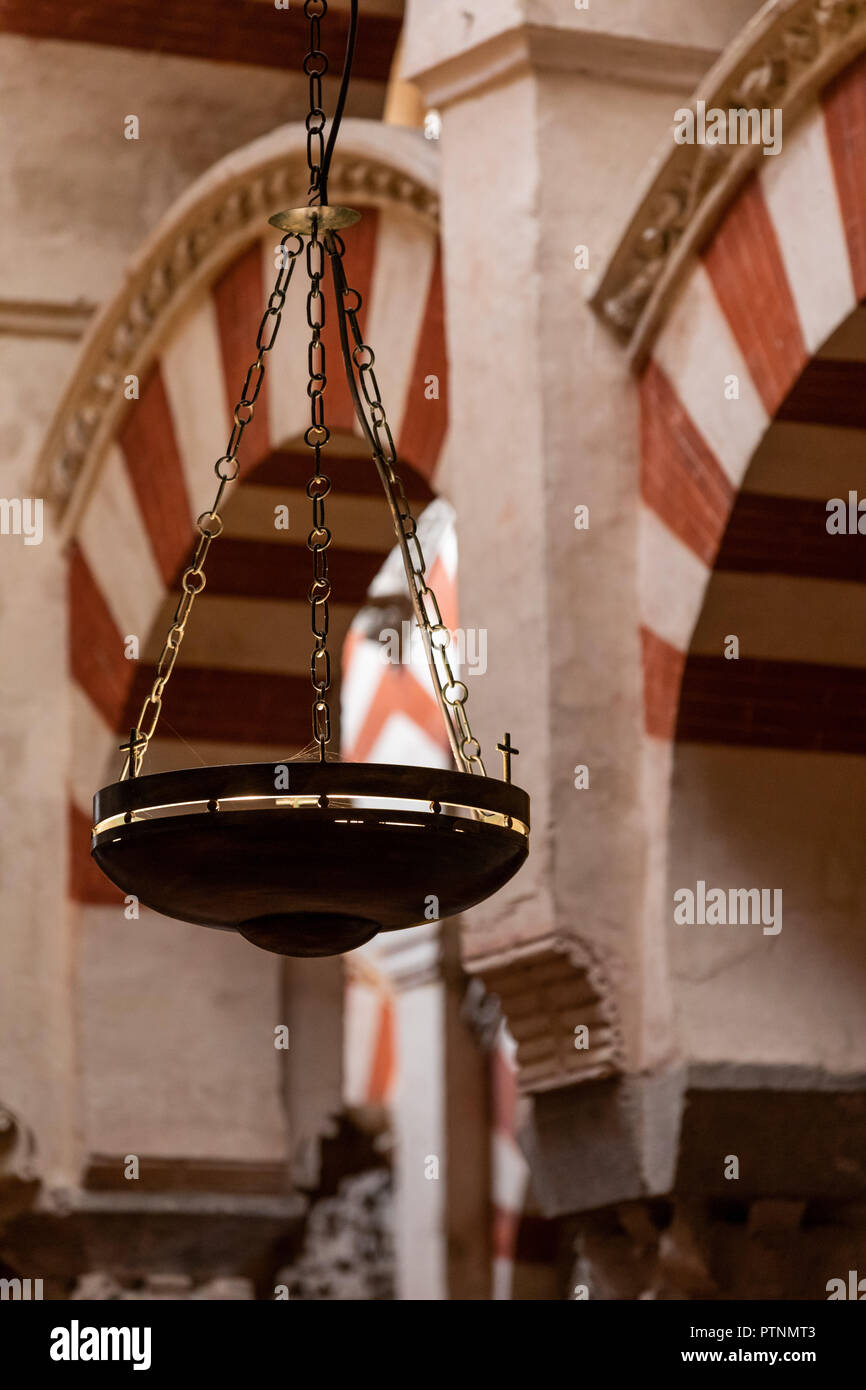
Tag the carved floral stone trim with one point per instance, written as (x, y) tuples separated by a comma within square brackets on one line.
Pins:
[(782, 59), (228, 207)]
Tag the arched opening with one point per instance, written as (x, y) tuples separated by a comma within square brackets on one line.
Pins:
[(132, 535), (241, 688), (769, 782), (750, 354), (744, 351)]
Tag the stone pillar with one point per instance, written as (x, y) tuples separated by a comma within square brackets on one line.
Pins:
[(36, 936), (313, 990), (442, 1157), (549, 115)]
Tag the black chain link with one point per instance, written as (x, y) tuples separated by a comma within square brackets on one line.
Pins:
[(319, 539), (315, 66), (318, 434), (451, 693)]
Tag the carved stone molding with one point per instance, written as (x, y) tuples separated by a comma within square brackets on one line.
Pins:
[(226, 209), (781, 60), (27, 318), (672, 1249), (505, 55), (136, 1239), (547, 990)]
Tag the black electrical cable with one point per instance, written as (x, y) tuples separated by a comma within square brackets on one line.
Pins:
[(341, 100)]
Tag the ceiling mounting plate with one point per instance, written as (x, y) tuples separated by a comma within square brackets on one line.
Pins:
[(327, 219)]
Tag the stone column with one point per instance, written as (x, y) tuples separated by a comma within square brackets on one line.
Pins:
[(548, 119), (37, 1068), (442, 1157), (313, 991)]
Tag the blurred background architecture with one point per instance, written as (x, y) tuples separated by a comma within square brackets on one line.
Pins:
[(627, 376)]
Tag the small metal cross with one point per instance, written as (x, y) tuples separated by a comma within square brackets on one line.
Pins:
[(508, 752), (136, 741)]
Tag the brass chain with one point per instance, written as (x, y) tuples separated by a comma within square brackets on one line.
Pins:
[(318, 487), (451, 694), (210, 524), (315, 66)]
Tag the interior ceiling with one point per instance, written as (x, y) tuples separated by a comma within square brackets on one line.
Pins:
[(252, 32)]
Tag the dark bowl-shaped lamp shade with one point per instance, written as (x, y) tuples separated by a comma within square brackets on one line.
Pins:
[(310, 859)]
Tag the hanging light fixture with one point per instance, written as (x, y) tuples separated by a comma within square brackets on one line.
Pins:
[(310, 858)]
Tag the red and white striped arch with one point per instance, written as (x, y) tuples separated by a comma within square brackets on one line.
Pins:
[(780, 274), (241, 688)]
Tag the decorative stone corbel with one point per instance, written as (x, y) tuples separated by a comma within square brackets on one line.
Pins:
[(558, 1000)]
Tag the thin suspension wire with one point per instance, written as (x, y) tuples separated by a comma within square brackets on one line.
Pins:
[(341, 99), (465, 748)]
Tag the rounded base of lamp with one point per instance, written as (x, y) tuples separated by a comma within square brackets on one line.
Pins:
[(309, 934)]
